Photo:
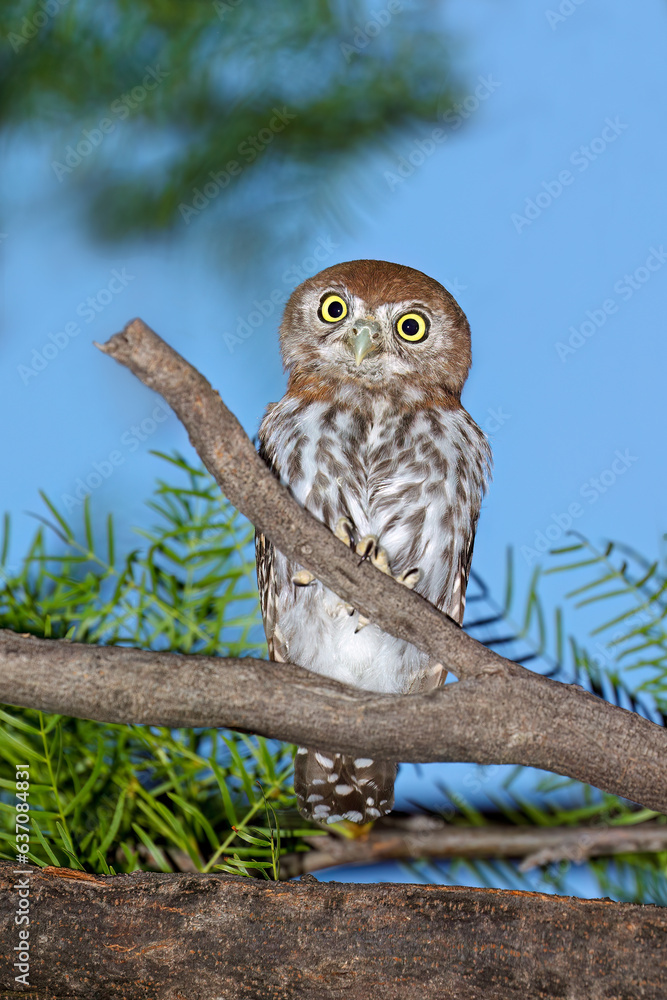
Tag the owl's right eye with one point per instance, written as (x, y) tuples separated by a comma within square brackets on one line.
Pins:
[(332, 309)]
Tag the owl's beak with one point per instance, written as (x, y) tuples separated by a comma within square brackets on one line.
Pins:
[(364, 338)]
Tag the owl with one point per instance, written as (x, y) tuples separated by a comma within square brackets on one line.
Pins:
[(371, 438)]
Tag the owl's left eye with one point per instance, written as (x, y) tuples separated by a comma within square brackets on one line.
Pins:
[(412, 327), (332, 309)]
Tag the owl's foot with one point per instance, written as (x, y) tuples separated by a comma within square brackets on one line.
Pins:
[(410, 578), (345, 531), (369, 547)]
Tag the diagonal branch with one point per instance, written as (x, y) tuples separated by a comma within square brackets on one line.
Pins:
[(230, 457), (498, 712)]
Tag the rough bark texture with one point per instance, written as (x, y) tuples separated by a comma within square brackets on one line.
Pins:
[(198, 937), (396, 838), (496, 718)]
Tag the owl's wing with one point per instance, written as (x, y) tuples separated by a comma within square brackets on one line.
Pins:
[(456, 605), (455, 608), (265, 557)]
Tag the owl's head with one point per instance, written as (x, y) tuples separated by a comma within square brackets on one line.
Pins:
[(375, 325)]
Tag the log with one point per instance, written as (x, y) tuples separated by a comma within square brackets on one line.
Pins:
[(197, 937)]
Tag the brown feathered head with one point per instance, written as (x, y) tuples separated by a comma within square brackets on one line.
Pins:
[(369, 324)]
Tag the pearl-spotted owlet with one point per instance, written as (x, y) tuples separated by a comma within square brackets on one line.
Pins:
[(372, 439)]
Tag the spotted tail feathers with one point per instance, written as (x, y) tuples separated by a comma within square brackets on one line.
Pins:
[(332, 786)]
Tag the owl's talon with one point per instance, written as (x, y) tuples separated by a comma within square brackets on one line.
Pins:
[(380, 559), (366, 546), (345, 531), (369, 547), (362, 623), (303, 578), (410, 578)]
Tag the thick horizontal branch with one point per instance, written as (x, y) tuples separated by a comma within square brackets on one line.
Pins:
[(164, 937), (412, 837), (494, 720)]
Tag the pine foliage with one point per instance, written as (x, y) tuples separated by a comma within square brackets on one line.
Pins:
[(107, 797)]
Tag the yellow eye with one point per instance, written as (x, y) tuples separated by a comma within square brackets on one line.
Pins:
[(332, 309), (412, 327)]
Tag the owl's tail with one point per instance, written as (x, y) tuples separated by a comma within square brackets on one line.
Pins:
[(332, 787)]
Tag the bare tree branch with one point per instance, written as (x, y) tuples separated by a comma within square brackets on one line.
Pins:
[(230, 457), (498, 712), (403, 838), (486, 720), (163, 937)]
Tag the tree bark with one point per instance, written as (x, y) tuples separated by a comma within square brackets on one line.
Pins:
[(491, 720), (198, 937)]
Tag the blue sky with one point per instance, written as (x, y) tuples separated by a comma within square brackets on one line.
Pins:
[(558, 420), (544, 213)]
